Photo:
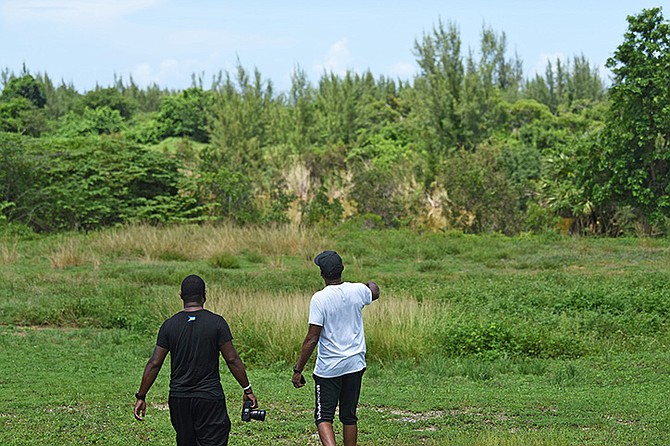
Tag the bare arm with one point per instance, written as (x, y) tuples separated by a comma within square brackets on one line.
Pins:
[(308, 346), (148, 377), (236, 367), (374, 288)]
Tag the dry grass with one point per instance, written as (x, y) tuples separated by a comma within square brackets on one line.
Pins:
[(9, 252), (276, 323), (401, 327), (192, 242), (72, 252)]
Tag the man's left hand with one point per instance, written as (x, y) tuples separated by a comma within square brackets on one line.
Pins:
[(140, 409), (298, 380)]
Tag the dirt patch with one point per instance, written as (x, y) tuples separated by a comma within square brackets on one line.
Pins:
[(414, 417), (160, 406), (406, 416), (620, 420)]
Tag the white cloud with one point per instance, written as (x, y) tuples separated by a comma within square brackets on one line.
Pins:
[(337, 60), (71, 11), (171, 72), (402, 70), (167, 72)]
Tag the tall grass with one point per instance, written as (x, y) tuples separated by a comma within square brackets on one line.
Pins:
[(193, 242), (402, 327), (270, 327), (442, 294)]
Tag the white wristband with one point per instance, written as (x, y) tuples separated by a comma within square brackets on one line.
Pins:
[(246, 388)]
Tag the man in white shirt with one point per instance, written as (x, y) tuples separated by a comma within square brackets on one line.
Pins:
[(336, 324)]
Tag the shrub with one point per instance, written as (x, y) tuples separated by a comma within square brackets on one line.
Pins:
[(224, 260), (88, 183)]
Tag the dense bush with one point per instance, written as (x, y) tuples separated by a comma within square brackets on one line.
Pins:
[(86, 183)]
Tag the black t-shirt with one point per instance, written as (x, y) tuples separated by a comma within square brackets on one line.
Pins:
[(194, 339)]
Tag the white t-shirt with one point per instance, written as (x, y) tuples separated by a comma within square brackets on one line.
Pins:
[(338, 310)]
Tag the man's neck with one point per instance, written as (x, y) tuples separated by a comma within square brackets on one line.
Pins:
[(192, 306), (334, 282)]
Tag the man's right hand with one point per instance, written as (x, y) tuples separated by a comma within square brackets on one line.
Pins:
[(251, 397), (374, 289)]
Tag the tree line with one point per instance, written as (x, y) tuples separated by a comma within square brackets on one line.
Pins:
[(468, 144)]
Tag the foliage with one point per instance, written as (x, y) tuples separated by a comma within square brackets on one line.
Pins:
[(99, 121), (322, 210), (26, 87), (469, 143), (224, 260), (482, 197), (185, 115), (111, 98), (633, 165), (231, 194), (86, 183), (241, 128), (566, 86), (20, 115)]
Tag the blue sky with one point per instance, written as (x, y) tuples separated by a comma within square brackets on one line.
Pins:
[(166, 41)]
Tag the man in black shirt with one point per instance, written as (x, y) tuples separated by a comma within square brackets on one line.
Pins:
[(195, 337)]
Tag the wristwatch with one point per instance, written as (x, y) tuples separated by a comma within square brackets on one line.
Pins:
[(295, 370), (140, 397)]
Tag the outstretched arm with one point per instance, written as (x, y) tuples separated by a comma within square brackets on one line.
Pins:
[(308, 346), (148, 377), (374, 288), (236, 367)]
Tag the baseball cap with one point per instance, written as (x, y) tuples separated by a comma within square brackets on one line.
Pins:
[(330, 263)]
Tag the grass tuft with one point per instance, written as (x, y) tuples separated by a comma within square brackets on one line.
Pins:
[(224, 260), (71, 253), (9, 252)]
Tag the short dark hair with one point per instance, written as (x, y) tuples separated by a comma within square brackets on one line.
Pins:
[(192, 288), (330, 264)]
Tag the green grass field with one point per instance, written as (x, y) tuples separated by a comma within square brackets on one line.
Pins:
[(476, 340)]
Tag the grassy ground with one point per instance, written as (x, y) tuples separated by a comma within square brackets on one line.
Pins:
[(476, 340)]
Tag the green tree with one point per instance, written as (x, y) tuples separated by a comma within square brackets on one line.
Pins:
[(482, 197), (16, 175), (242, 125), (85, 183), (566, 86), (20, 115), (60, 99), (110, 97), (98, 121), (437, 91), (22, 105), (186, 114), (26, 87), (231, 195), (633, 166), (300, 115)]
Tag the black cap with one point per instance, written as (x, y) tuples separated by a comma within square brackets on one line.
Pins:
[(192, 288), (330, 263)]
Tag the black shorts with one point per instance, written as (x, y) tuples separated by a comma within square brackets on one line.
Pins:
[(199, 421), (344, 390)]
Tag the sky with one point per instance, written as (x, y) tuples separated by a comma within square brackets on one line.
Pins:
[(167, 42)]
